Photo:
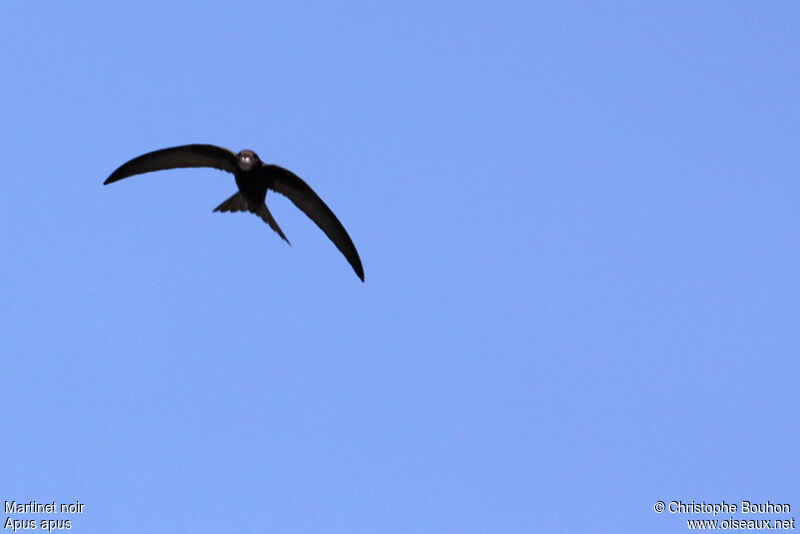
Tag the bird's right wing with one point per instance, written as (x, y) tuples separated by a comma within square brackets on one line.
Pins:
[(176, 157), (300, 193)]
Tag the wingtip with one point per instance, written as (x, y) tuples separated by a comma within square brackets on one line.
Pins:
[(355, 263)]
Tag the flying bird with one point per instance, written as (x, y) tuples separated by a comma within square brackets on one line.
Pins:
[(254, 178)]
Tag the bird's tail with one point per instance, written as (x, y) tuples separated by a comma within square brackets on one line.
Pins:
[(238, 203)]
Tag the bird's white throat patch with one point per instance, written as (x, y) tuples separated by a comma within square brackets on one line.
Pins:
[(247, 160), (245, 163)]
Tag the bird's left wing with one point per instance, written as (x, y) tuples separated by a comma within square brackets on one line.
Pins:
[(175, 157), (292, 186)]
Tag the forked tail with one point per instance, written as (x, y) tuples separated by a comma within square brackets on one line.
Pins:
[(238, 203)]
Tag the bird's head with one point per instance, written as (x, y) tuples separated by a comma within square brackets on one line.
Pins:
[(247, 159)]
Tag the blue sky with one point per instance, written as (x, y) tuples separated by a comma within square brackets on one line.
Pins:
[(578, 224)]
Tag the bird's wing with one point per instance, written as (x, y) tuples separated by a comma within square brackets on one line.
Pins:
[(295, 189), (175, 157)]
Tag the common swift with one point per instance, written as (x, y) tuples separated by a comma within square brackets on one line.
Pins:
[(254, 178)]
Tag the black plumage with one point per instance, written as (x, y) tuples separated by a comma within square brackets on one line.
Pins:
[(254, 178)]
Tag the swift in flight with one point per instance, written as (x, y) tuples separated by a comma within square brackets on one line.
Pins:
[(254, 178)]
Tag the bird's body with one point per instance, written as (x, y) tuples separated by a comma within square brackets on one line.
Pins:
[(253, 178), (252, 185)]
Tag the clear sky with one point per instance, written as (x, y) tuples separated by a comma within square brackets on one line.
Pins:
[(579, 228)]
